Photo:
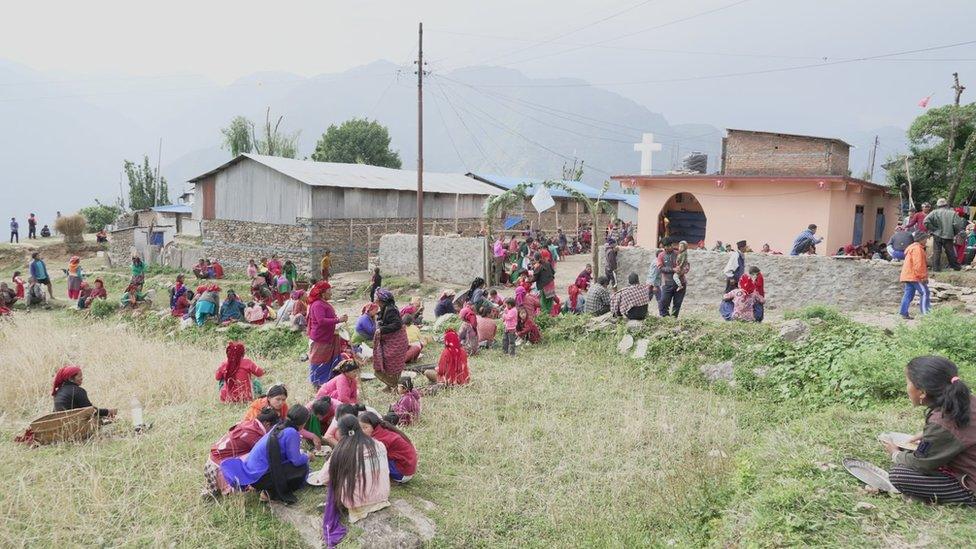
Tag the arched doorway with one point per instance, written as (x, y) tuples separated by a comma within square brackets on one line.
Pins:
[(682, 218)]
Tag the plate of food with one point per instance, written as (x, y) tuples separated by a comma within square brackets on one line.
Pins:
[(870, 474), (901, 440)]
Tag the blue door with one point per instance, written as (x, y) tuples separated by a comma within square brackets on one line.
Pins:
[(879, 225), (858, 225)]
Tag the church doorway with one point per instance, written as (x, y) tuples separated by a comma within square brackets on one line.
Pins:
[(682, 218)]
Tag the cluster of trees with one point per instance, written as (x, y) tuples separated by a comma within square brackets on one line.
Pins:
[(942, 156), (355, 141)]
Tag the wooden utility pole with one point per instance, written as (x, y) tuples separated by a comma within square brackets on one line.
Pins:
[(159, 160), (908, 175), (874, 155), (420, 153), (956, 178)]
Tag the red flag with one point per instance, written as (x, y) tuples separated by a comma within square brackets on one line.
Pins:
[(924, 103)]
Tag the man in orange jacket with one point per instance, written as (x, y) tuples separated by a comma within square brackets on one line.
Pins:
[(915, 276)]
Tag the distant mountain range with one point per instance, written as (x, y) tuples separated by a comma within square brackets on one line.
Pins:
[(67, 135)]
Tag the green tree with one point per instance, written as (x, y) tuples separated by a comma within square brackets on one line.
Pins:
[(99, 215), (145, 191), (357, 141), (943, 143), (237, 136), (240, 137)]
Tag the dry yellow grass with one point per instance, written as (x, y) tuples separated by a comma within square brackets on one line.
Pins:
[(560, 446)]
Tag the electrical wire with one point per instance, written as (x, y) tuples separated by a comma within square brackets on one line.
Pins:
[(437, 106), (734, 74), (467, 129)]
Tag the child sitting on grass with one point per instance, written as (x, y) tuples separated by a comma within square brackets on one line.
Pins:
[(943, 467), (526, 328), (407, 409)]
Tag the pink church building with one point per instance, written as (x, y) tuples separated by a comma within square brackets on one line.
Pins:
[(771, 186)]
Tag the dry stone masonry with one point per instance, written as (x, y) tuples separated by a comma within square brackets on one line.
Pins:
[(452, 259), (791, 282)]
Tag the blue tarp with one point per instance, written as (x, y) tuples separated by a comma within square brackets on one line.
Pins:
[(513, 221)]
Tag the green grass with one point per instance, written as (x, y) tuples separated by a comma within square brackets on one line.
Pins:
[(567, 444)]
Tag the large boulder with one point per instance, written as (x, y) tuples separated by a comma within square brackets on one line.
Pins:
[(794, 331)]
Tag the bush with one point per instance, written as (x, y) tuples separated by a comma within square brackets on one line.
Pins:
[(101, 308), (814, 311), (72, 227)]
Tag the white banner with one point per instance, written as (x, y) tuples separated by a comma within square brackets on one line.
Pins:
[(542, 200)]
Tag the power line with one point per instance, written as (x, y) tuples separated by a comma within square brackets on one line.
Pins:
[(465, 126), (635, 33), (566, 33), (552, 111), (732, 74), (448, 131)]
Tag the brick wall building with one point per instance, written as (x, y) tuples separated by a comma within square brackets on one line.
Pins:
[(765, 153), (255, 206)]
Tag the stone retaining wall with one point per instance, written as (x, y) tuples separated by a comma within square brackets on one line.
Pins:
[(451, 259), (352, 242), (791, 282)]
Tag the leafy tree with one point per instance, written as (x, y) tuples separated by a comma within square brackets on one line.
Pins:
[(943, 153), (145, 191), (357, 141), (237, 136), (99, 215), (240, 137)]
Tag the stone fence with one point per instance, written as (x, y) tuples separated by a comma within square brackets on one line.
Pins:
[(790, 282), (451, 259)]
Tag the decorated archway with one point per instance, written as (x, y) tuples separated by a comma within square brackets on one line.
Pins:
[(682, 218)]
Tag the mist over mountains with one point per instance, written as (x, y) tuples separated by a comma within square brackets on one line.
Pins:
[(66, 135)]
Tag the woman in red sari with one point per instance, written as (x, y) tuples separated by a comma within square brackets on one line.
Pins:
[(452, 368), (390, 344), (235, 374), (326, 344)]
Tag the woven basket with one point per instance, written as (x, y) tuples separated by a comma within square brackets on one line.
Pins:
[(69, 425)]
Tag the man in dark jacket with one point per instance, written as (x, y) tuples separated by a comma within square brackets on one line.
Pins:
[(944, 223)]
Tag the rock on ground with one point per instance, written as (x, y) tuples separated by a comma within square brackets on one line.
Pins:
[(625, 344), (640, 350), (399, 526), (794, 331), (723, 371)]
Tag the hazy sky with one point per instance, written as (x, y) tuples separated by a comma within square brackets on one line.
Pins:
[(228, 39)]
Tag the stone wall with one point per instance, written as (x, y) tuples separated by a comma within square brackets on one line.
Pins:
[(791, 282), (121, 243), (451, 259), (352, 242)]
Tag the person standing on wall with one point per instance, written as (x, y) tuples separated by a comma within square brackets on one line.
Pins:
[(944, 223), (14, 233), (735, 267), (32, 227)]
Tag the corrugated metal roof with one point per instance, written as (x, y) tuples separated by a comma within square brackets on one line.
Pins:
[(362, 176), (633, 201), (174, 208), (507, 182)]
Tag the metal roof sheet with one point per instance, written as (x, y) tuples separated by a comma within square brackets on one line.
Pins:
[(362, 176), (174, 208), (507, 182)]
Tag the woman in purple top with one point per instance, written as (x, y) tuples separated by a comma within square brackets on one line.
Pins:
[(275, 465)]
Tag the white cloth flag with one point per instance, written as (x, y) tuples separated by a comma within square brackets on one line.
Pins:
[(542, 200)]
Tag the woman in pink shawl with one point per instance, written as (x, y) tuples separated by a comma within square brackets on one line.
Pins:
[(326, 344)]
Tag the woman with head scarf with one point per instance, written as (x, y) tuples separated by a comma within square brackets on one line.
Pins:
[(68, 393), (390, 342), (744, 299), (235, 373), (276, 465), (445, 304), (452, 368), (287, 310), (232, 309), (326, 344), (366, 324), (138, 270), (344, 385), (75, 276), (236, 442)]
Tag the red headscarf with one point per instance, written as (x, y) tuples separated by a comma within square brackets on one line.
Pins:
[(467, 315), (316, 292), (235, 352), (64, 374), (746, 284), (452, 368)]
